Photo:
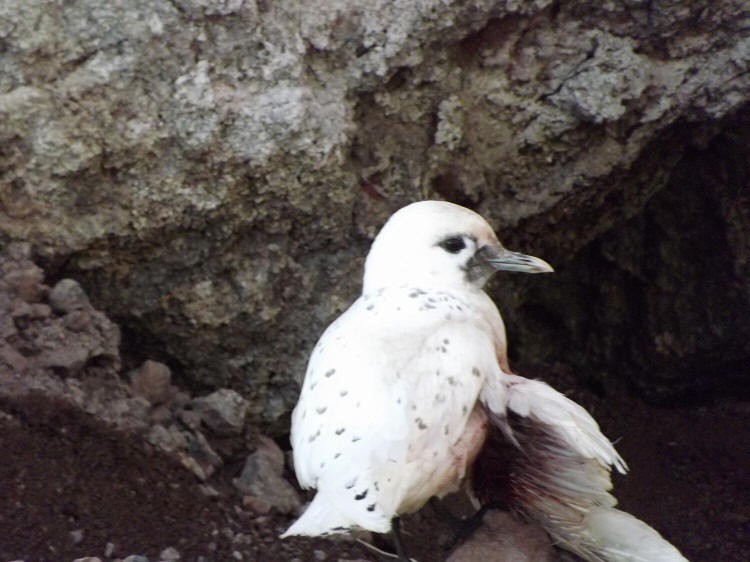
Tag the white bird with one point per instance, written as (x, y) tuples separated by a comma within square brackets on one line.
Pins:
[(405, 388)]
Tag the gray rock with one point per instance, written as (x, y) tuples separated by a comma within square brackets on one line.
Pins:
[(222, 202), (169, 554), (135, 558), (76, 537), (222, 411), (261, 478), (501, 537), (66, 296), (152, 380)]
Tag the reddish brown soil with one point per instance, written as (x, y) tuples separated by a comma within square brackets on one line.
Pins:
[(61, 472)]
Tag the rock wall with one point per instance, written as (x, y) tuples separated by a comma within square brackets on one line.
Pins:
[(212, 171)]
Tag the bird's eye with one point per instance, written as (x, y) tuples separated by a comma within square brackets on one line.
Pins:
[(453, 245)]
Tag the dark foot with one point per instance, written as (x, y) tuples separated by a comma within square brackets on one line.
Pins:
[(396, 532), (467, 526)]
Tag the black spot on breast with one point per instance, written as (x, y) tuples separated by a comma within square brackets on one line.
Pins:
[(370, 306), (452, 381), (464, 410), (349, 485), (446, 341), (313, 437), (321, 410), (371, 507), (343, 393), (340, 430), (446, 430), (420, 423), (476, 372), (439, 398), (361, 495), (330, 373), (337, 455), (355, 439)]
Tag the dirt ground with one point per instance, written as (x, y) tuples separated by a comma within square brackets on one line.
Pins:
[(70, 485)]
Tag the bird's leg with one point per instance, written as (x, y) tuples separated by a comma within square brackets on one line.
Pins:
[(396, 532)]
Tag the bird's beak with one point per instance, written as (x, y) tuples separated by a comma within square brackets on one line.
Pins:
[(506, 260)]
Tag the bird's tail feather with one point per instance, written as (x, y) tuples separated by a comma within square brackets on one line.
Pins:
[(320, 518), (323, 517), (619, 537), (555, 470)]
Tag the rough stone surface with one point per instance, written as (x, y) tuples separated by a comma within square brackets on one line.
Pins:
[(262, 480), (501, 537), (67, 296), (152, 381), (223, 411), (213, 171)]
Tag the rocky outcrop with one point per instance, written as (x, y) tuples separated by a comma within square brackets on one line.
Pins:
[(212, 171)]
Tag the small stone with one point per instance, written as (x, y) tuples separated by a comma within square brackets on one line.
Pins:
[(179, 398), (242, 538), (169, 554), (160, 414), (319, 555), (256, 504), (39, 311), (209, 491), (271, 450), (193, 466), (109, 549), (501, 537), (237, 555), (11, 358), (88, 559), (135, 558), (27, 283), (202, 451), (190, 418), (152, 381), (166, 439), (76, 537), (261, 477), (223, 411), (66, 296), (67, 360)]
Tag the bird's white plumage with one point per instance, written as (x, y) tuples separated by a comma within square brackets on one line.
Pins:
[(384, 422), (400, 388)]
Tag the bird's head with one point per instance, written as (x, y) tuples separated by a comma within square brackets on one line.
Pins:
[(435, 243)]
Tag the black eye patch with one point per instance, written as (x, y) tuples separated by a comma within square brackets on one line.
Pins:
[(452, 244)]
